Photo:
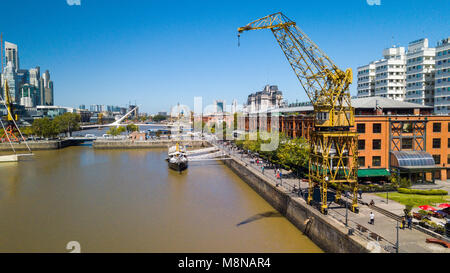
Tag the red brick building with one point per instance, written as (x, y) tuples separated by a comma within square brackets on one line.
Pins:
[(393, 136)]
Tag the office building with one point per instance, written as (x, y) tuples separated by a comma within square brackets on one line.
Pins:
[(442, 78), (12, 55), (420, 73), (219, 106), (366, 80), (9, 76), (29, 96), (385, 77), (46, 88), (390, 74)]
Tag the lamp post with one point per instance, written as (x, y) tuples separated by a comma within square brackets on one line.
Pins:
[(387, 194), (396, 243), (346, 213)]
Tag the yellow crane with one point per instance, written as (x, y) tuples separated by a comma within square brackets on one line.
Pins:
[(11, 118), (333, 149)]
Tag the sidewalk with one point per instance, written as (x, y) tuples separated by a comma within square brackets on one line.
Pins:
[(410, 241), (381, 202)]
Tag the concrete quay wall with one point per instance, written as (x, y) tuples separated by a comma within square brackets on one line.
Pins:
[(326, 232), (37, 145), (129, 144)]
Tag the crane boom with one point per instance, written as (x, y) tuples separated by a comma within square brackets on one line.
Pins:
[(326, 85)]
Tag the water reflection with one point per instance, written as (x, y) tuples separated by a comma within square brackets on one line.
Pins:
[(129, 201)]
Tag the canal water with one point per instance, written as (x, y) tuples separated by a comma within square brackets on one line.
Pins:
[(129, 201)]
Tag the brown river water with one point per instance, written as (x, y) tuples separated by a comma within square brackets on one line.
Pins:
[(129, 201)]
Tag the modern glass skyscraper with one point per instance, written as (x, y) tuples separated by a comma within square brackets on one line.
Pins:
[(46, 89), (9, 75), (12, 55)]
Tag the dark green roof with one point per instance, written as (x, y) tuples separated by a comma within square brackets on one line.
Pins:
[(373, 172)]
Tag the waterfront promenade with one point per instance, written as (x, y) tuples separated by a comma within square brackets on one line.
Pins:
[(382, 234)]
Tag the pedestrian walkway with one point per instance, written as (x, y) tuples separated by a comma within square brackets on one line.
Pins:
[(383, 232), (386, 204)]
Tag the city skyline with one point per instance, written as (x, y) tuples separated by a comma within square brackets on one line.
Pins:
[(101, 57)]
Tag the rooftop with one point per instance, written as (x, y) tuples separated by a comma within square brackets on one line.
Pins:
[(362, 103), (372, 102)]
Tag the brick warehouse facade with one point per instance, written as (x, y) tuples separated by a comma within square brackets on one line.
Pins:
[(384, 126)]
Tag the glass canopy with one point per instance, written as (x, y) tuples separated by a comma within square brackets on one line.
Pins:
[(411, 159)]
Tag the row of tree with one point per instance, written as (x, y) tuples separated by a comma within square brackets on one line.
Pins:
[(48, 128), (115, 131), (292, 154)]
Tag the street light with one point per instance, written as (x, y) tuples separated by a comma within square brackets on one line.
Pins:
[(387, 193), (346, 213), (396, 243)]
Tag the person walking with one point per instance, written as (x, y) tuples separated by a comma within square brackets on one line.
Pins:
[(409, 221), (403, 223), (360, 193), (372, 218), (262, 169)]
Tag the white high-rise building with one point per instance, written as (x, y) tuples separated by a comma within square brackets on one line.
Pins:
[(442, 78), (390, 74), (366, 80), (420, 73), (9, 75), (12, 55), (34, 76)]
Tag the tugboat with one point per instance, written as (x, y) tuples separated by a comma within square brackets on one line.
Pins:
[(177, 158)]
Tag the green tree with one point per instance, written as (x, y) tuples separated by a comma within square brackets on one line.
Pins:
[(144, 118), (67, 123), (132, 128), (159, 118), (294, 154), (44, 127), (394, 179), (27, 131), (115, 131)]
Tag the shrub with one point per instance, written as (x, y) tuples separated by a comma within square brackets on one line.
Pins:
[(404, 183), (376, 188), (422, 192)]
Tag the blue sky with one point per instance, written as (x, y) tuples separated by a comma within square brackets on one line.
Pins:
[(159, 53)]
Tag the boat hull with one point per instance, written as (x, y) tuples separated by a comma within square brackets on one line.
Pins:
[(179, 166)]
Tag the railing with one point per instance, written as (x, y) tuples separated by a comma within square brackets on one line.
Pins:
[(375, 241)]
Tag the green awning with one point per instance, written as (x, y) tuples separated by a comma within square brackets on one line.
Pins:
[(373, 172)]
